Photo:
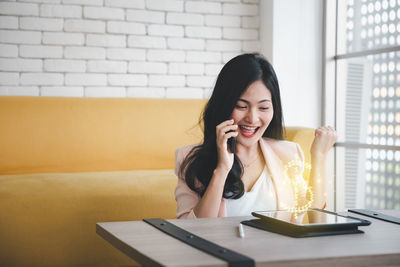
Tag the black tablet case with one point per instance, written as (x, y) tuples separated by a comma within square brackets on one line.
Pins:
[(304, 231)]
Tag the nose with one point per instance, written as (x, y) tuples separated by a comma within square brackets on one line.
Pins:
[(252, 116)]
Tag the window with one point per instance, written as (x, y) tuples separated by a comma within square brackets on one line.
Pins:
[(364, 67)]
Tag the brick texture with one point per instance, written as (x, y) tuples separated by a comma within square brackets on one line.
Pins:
[(122, 48)]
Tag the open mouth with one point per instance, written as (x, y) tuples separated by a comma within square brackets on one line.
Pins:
[(248, 131)]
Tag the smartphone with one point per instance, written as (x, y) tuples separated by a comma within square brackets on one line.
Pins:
[(232, 144)]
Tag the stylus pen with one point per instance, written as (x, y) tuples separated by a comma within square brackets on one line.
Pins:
[(241, 230)]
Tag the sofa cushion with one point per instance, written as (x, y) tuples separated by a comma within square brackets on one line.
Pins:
[(66, 134), (49, 219)]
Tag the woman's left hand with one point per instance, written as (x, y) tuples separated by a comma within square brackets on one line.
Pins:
[(325, 138)]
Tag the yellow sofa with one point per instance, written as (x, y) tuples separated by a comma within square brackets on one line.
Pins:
[(67, 163)]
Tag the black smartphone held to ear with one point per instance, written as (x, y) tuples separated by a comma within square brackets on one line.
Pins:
[(232, 144)]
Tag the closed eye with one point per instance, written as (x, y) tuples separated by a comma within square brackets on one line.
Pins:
[(240, 107)]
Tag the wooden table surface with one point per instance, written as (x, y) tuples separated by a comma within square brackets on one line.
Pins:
[(378, 246)]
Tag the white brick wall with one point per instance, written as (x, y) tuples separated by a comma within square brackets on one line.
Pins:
[(103, 13), (145, 16), (63, 38), (186, 43), (121, 48), (40, 24), (42, 79), (19, 9), (8, 22), (9, 78), (185, 19), (20, 37), (40, 51), (139, 4), (84, 52), (80, 25), (126, 54), (103, 40), (127, 79), (59, 11), (165, 55), (8, 50), (203, 7), (148, 67), (64, 65)]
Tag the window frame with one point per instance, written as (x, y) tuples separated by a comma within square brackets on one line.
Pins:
[(330, 58)]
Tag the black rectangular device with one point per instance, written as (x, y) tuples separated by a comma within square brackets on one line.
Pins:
[(313, 222), (376, 215), (232, 144)]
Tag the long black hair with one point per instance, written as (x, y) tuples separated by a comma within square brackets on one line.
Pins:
[(233, 80)]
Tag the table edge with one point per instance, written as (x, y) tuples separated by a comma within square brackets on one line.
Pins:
[(125, 248)]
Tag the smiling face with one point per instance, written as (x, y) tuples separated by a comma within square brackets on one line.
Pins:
[(253, 113)]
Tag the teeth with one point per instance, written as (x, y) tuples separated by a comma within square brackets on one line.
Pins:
[(248, 127)]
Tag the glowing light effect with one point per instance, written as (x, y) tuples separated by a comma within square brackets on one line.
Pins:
[(293, 171)]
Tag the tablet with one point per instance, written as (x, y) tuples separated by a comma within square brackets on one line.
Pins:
[(309, 218), (310, 223)]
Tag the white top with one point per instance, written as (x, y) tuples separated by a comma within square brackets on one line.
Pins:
[(261, 197)]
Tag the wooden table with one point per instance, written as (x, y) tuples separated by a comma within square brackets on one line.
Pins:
[(378, 246)]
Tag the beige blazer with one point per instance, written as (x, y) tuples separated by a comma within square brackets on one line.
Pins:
[(277, 155)]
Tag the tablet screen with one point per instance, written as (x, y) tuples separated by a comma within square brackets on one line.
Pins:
[(309, 217)]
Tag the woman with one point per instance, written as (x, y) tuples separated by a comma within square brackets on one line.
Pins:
[(246, 105)]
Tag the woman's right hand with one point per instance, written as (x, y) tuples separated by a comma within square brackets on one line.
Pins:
[(225, 157), (210, 202)]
